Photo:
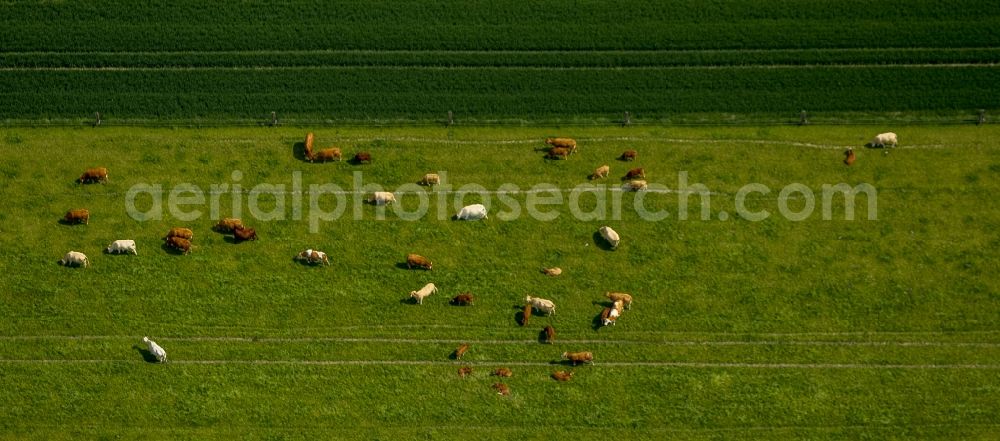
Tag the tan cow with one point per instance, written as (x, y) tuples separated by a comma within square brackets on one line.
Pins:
[(601, 172)]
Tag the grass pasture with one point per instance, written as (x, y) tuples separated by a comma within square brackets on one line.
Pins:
[(779, 329), (559, 61)]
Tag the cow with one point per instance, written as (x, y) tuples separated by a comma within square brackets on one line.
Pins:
[(227, 225), (501, 389), (552, 271), (382, 198), (562, 375), (122, 246), (362, 157), (557, 153), (472, 212), (635, 173), (610, 236), (92, 175), (179, 244), (885, 139), (180, 232), (542, 305), (616, 297), (550, 334), (77, 216), (75, 258), (578, 357), (309, 146), (849, 156), (526, 314), (430, 179), (463, 299), (609, 316), (629, 155), (416, 260), (326, 155), (601, 172), (502, 372), (460, 351), (419, 294), (567, 143), (635, 185), (156, 350), (313, 257), (464, 371), (241, 234)]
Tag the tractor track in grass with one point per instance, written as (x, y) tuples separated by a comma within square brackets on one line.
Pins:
[(626, 364), (270, 340)]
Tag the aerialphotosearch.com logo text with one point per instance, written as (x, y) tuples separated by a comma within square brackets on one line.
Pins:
[(328, 202)]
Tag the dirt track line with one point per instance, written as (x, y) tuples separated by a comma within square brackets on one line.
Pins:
[(507, 67), (664, 364), (510, 342)]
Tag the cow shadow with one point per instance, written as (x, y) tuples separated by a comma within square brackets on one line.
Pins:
[(147, 356), (596, 324), (542, 338), (230, 239), (601, 243), (68, 223), (408, 301), (402, 265), (299, 151)]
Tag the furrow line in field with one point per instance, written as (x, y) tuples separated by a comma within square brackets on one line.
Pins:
[(510, 342), (514, 67), (663, 364)]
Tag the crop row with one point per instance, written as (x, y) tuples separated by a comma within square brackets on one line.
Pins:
[(381, 92), (483, 25), (500, 59)]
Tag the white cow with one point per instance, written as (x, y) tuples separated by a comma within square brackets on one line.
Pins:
[(313, 257), (156, 350), (382, 198), (121, 246), (75, 258), (427, 290), (542, 305), (885, 139), (472, 212), (611, 236)]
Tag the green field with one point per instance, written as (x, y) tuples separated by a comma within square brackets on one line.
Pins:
[(778, 329), (676, 61)]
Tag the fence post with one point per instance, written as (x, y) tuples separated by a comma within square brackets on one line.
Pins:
[(982, 117), (97, 119), (628, 119), (803, 118), (451, 118), (274, 119)]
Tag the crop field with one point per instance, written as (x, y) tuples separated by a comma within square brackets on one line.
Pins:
[(558, 61), (798, 325)]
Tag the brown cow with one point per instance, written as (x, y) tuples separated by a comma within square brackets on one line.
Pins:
[(179, 244), (849, 156), (180, 232), (362, 157), (242, 233), (550, 334), (228, 225), (416, 260), (635, 173), (578, 357), (557, 153), (77, 216), (502, 372), (463, 299), (629, 155), (309, 146), (93, 175), (326, 155), (562, 375), (460, 351), (526, 315), (501, 389), (567, 143), (464, 371)]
